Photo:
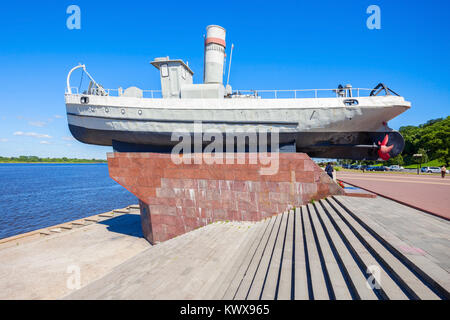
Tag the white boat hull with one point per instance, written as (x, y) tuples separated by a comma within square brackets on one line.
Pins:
[(149, 123)]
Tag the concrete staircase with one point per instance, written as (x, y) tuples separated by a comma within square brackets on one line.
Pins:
[(321, 251)]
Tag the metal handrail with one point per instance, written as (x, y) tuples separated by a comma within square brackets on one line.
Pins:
[(112, 92), (275, 93), (344, 92)]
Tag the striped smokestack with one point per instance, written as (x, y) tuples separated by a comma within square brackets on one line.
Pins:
[(214, 54)]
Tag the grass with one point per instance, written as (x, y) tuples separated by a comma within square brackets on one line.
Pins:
[(38, 160)]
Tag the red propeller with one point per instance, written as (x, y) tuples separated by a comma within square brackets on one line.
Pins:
[(383, 152)]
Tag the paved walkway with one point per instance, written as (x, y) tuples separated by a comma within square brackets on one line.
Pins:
[(429, 193), (40, 265), (318, 251), (321, 250)]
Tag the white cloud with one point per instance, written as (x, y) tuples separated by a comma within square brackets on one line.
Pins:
[(3, 140), (37, 123), (57, 116), (68, 138), (44, 142), (32, 134)]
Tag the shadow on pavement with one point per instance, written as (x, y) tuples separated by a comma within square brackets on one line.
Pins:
[(129, 224)]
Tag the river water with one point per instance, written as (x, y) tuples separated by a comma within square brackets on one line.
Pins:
[(34, 196)]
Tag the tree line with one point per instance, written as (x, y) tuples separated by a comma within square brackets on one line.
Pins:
[(34, 159), (431, 139)]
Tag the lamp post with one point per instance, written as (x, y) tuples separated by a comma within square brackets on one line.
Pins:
[(418, 155)]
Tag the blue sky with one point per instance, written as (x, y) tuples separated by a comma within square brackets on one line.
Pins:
[(281, 44)]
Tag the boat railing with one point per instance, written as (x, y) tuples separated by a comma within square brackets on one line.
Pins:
[(258, 94), (340, 92), (303, 93), (153, 94)]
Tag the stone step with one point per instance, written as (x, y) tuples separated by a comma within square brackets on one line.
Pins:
[(79, 223), (336, 279), (389, 287), (107, 214), (222, 254), (300, 273), (421, 264), (124, 210), (228, 291), (318, 284), (226, 275), (270, 287), (285, 291), (92, 219), (409, 280), (179, 276), (246, 282), (355, 279), (256, 289), (172, 262), (186, 280)]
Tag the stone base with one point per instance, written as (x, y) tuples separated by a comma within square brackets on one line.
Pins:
[(176, 199)]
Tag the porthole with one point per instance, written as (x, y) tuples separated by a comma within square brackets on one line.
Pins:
[(106, 109), (140, 112), (123, 111), (84, 100)]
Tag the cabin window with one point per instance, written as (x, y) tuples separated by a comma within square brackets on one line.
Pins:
[(164, 70)]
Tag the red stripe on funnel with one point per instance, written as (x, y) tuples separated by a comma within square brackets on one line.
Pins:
[(215, 40)]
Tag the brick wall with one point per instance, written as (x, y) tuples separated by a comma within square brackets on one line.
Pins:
[(176, 199)]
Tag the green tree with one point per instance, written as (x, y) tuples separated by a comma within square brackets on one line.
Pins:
[(398, 160), (433, 137), (424, 154)]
